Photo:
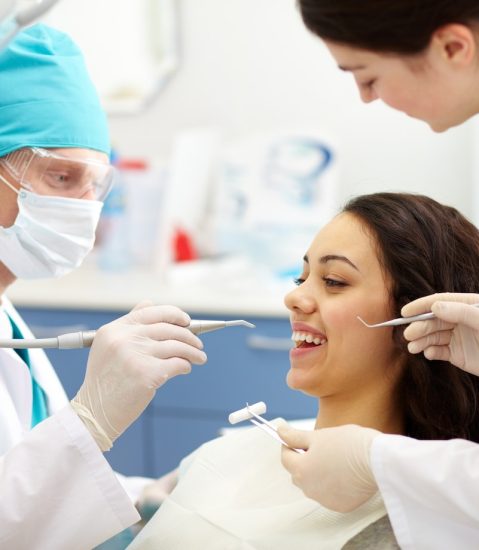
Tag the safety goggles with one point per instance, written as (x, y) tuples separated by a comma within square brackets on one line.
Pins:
[(47, 173)]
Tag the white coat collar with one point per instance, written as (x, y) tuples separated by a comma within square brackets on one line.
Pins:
[(16, 384), (41, 367)]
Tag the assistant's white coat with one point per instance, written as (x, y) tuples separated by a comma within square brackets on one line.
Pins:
[(431, 491)]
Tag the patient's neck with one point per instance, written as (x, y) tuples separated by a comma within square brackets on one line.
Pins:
[(374, 410)]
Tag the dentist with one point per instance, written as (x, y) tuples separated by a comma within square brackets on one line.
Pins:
[(57, 490), (422, 58)]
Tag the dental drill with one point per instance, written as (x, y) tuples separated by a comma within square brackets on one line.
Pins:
[(84, 339)]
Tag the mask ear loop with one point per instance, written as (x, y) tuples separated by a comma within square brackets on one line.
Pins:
[(8, 184)]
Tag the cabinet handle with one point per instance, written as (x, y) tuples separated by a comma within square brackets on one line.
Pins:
[(269, 343)]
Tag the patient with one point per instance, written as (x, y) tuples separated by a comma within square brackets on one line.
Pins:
[(382, 251)]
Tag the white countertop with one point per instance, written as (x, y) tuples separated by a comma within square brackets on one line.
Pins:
[(208, 288)]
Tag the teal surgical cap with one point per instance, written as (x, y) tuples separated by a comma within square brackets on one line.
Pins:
[(46, 96)]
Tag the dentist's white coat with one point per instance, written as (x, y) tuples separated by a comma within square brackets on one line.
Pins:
[(57, 491), (431, 491)]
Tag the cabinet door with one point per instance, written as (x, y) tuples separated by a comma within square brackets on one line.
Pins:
[(174, 438)]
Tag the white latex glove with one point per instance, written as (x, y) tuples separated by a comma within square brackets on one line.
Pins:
[(129, 360), (453, 336), (335, 469), (155, 493)]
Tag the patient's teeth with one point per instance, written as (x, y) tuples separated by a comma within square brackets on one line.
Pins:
[(297, 336)]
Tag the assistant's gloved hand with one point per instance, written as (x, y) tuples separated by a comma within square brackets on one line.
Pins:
[(453, 336), (129, 360), (335, 469)]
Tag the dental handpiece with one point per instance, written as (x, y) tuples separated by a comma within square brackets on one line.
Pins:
[(84, 339)]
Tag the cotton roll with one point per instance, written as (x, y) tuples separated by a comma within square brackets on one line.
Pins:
[(244, 414)]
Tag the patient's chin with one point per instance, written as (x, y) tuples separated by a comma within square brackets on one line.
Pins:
[(299, 382)]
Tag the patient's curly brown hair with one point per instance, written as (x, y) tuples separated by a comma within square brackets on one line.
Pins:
[(426, 247)]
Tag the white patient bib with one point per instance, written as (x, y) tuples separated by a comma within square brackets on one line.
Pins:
[(235, 495)]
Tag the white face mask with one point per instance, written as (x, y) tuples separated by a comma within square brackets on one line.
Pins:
[(51, 235)]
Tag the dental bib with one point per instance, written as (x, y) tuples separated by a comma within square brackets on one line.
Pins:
[(234, 494), (50, 237)]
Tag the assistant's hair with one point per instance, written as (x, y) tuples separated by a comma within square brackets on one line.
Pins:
[(425, 247), (394, 26)]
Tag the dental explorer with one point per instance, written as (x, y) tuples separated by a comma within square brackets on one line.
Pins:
[(74, 340), (404, 320)]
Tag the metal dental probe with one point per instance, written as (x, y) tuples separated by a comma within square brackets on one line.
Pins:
[(84, 339), (403, 320)]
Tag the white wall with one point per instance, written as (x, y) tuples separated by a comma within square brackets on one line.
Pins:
[(250, 65)]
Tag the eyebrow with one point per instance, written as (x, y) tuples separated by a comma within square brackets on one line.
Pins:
[(331, 258)]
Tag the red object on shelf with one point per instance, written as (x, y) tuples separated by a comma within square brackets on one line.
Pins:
[(183, 247), (131, 164)]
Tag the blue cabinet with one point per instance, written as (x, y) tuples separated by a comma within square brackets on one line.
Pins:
[(243, 366)]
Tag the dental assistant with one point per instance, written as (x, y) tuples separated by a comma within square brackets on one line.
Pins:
[(422, 58), (57, 491)]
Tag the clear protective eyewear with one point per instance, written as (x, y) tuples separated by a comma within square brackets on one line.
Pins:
[(48, 173)]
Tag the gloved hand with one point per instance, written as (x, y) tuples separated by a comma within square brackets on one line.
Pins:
[(129, 360), (335, 469), (153, 494), (453, 336)]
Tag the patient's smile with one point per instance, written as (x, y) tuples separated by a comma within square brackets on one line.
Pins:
[(341, 275), (305, 339)]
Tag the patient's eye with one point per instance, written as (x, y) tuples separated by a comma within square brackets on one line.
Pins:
[(329, 282), (298, 281)]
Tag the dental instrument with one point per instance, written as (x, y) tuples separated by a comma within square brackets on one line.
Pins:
[(18, 21), (253, 414), (84, 339), (403, 320)]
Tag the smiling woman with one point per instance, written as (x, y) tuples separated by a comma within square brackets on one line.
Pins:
[(382, 251), (418, 57), (343, 277)]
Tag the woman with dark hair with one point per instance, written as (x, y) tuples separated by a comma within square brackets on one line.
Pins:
[(426, 247), (382, 251), (418, 57), (421, 58)]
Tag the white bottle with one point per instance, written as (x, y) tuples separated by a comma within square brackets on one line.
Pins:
[(112, 235)]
